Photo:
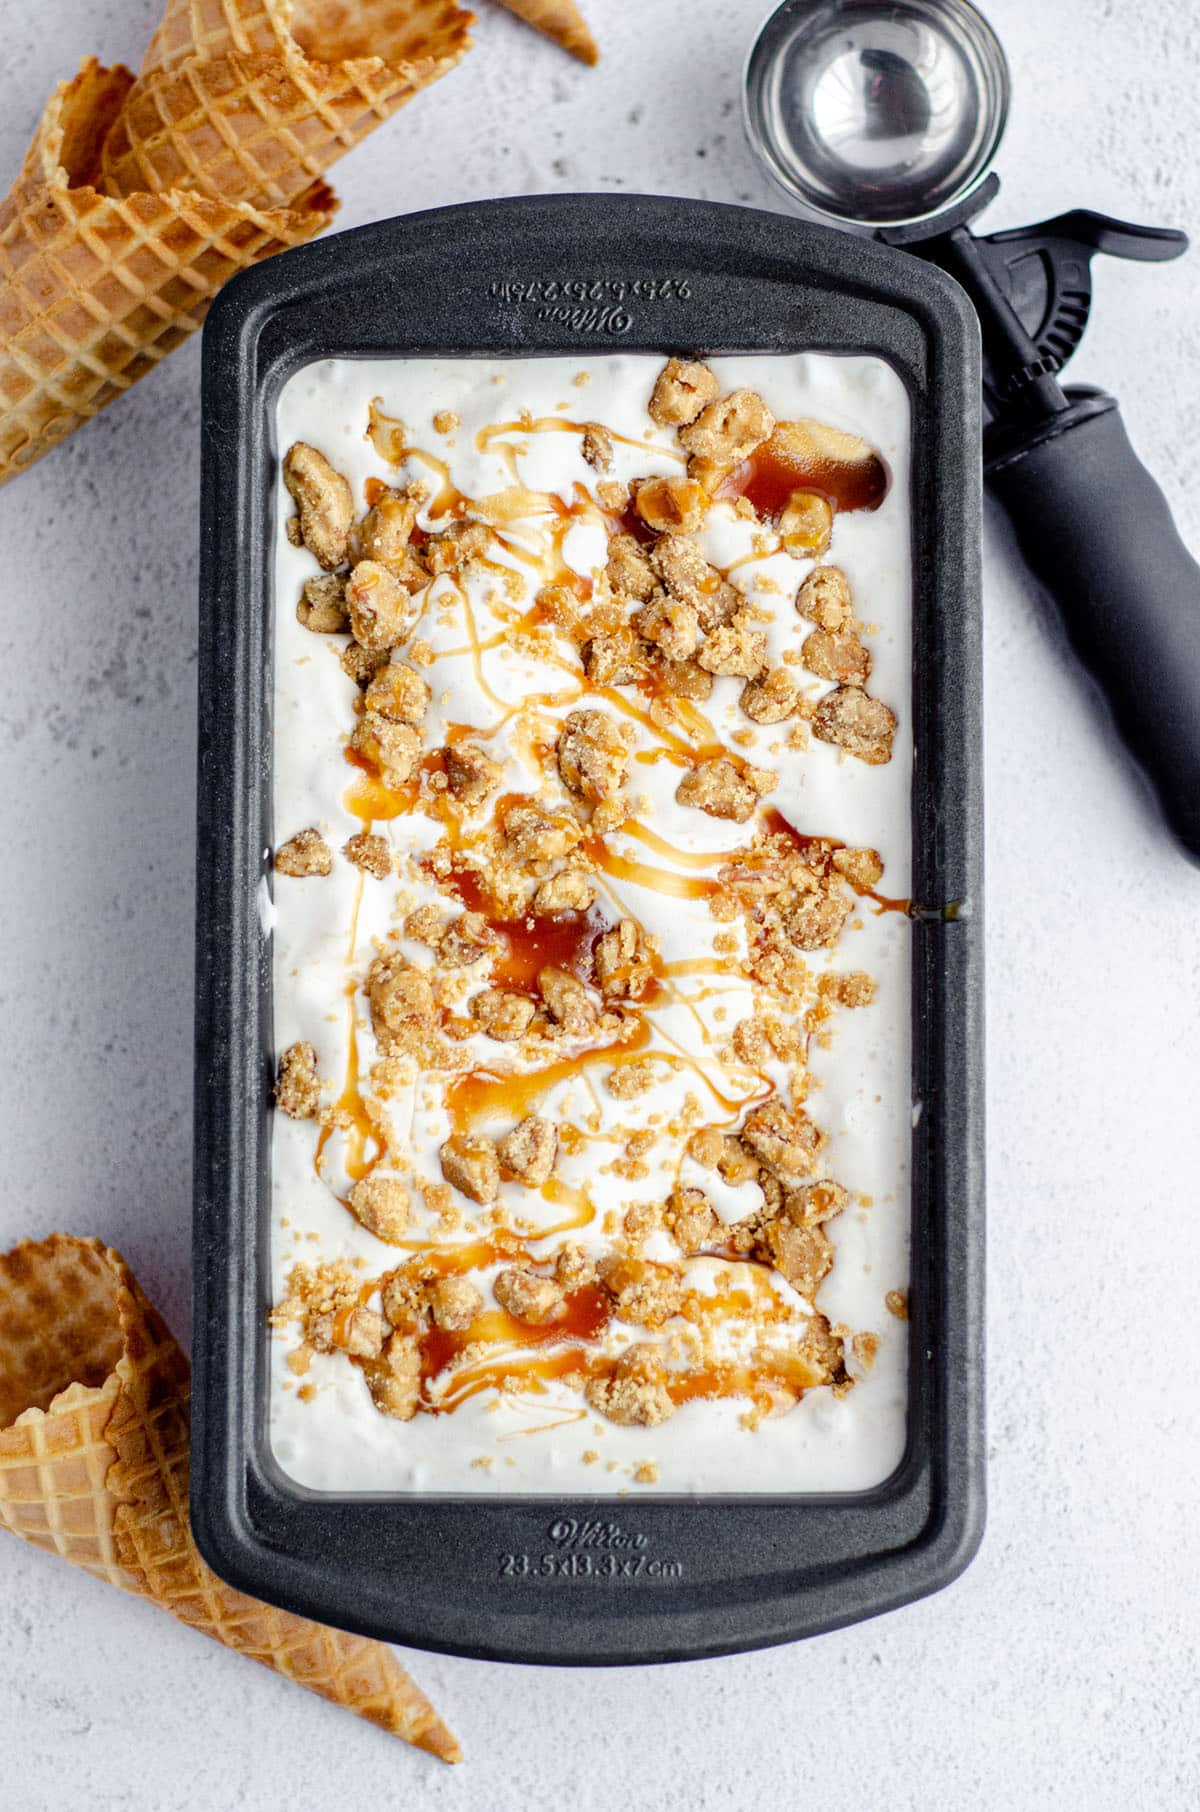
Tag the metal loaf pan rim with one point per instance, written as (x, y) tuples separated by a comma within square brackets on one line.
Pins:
[(526, 276)]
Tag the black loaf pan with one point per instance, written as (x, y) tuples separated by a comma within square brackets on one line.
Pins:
[(691, 1576)]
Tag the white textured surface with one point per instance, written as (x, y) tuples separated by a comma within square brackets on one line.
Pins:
[(1063, 1668)]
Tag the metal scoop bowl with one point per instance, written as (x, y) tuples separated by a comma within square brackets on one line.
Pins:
[(876, 115)]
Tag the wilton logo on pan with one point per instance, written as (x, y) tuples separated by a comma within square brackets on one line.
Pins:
[(589, 1550), (590, 304), (565, 1532)]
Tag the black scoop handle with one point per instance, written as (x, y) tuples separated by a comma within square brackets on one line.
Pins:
[(1096, 530)]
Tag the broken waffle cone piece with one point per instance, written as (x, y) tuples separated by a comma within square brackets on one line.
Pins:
[(141, 196), (95, 289), (259, 124), (94, 1466), (560, 20)]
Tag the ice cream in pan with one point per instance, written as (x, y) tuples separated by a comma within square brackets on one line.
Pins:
[(591, 958)]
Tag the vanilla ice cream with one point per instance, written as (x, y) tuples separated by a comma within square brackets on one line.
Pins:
[(648, 1078)]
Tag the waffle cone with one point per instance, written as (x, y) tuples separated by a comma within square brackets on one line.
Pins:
[(258, 124), (326, 31), (94, 289), (94, 1466), (141, 196), (560, 20)]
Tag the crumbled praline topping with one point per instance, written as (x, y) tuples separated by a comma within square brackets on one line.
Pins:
[(526, 954)]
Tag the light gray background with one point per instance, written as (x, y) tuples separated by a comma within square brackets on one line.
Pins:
[(1063, 1667)]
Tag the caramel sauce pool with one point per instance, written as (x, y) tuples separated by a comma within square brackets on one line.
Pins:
[(586, 1313), (535, 940), (772, 472)]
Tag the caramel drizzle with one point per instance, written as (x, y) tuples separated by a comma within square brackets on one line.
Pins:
[(484, 1094), (656, 880), (684, 735), (500, 1354), (350, 1105), (490, 439)]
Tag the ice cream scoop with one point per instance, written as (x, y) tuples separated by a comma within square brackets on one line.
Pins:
[(883, 115)]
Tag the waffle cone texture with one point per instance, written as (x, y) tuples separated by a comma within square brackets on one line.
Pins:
[(140, 196), (94, 1466)]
